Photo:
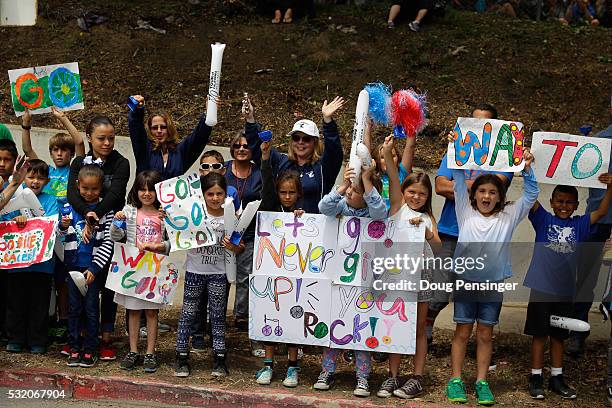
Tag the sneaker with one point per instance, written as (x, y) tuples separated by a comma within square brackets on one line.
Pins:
[(536, 386), (107, 352), (163, 327), (557, 385), (74, 359), (88, 360), (14, 348), (455, 390), (324, 382), (130, 361), (388, 387), (151, 364), (291, 380), (38, 349), (181, 365), (390, 24), (414, 26), (65, 351), (198, 344), (411, 388), (219, 364), (264, 376), (362, 389), (483, 393)]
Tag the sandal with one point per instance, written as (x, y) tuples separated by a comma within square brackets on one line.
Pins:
[(277, 17)]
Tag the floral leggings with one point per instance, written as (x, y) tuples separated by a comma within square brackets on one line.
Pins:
[(363, 363)]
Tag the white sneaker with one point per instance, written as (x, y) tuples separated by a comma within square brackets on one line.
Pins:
[(362, 389), (264, 376), (291, 380)]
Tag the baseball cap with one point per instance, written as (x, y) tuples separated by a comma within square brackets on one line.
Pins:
[(306, 126)]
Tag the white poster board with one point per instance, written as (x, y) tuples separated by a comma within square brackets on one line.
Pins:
[(561, 158), (487, 144), (182, 199)]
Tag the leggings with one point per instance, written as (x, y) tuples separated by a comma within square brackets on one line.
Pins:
[(195, 284), (363, 364)]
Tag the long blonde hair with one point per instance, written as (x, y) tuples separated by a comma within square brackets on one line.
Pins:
[(173, 137)]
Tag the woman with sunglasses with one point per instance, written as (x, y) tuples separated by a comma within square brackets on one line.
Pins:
[(157, 145), (317, 159), (245, 176)]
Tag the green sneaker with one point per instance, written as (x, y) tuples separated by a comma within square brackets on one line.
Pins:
[(455, 390), (483, 393)]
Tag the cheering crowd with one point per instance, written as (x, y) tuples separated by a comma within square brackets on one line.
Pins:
[(86, 189)]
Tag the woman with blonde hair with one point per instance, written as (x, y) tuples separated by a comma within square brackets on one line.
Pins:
[(158, 146), (316, 158)]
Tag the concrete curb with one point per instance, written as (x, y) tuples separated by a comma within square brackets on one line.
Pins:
[(120, 388)]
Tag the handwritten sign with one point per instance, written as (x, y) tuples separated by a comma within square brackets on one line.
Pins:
[(182, 199), (21, 247), (361, 239), (290, 309), (365, 319), (143, 275), (487, 144), (296, 246), (561, 158), (40, 88)]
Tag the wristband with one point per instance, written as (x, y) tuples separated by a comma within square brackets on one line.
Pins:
[(26, 127)]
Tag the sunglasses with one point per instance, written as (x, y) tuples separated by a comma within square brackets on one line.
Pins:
[(237, 146), (213, 166), (299, 138), (159, 127)]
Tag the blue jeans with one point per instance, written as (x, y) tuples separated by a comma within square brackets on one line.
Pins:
[(89, 306)]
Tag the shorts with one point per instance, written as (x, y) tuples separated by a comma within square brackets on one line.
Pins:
[(482, 312), (541, 306)]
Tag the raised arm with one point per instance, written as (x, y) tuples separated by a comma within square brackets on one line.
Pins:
[(604, 205), (21, 169), (26, 141), (193, 145), (408, 154), (79, 143), (530, 189), (396, 198), (141, 145), (269, 197), (333, 154), (74, 198)]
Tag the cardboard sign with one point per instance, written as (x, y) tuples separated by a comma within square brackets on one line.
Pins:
[(300, 247), (143, 275), (40, 88), (289, 309), (21, 247), (487, 144), (182, 199), (561, 158)]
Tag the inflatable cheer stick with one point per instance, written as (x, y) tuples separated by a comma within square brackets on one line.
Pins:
[(361, 116), (569, 324), (364, 156), (24, 199), (215, 81), (80, 281)]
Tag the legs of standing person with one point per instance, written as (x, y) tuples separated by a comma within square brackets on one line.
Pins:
[(108, 314), (441, 298), (39, 295), (76, 303), (17, 306), (3, 299), (330, 358), (244, 265), (393, 13), (92, 315), (217, 285), (194, 285), (152, 316), (133, 329)]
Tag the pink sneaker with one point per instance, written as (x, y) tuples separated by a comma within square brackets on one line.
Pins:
[(107, 352), (65, 351)]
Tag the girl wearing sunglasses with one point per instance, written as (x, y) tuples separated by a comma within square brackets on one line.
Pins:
[(316, 159), (158, 146)]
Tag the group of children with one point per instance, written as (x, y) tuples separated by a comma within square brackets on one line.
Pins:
[(388, 188)]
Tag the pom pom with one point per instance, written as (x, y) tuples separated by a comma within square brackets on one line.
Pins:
[(380, 102), (408, 110)]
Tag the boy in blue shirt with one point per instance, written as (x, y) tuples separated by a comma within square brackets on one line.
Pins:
[(552, 279), (29, 288), (62, 148)]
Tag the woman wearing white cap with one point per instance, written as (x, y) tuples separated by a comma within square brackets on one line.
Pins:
[(317, 159)]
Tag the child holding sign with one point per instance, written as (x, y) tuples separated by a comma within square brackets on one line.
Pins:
[(89, 257), (486, 224), (411, 201), (357, 200), (205, 271), (281, 197), (139, 224), (552, 279)]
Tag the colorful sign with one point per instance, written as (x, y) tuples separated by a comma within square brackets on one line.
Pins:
[(294, 246), (487, 144), (566, 159), (21, 247), (143, 275), (182, 199), (40, 88)]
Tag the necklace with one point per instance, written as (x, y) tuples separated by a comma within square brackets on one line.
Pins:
[(240, 186)]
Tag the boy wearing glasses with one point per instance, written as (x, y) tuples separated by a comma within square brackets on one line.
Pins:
[(212, 161), (552, 279)]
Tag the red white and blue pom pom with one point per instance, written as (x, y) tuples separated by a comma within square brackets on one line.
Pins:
[(408, 110)]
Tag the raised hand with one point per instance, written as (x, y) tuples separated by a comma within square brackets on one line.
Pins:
[(388, 144), (26, 119), (265, 150), (140, 99), (57, 113), (247, 110), (528, 157), (329, 109)]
